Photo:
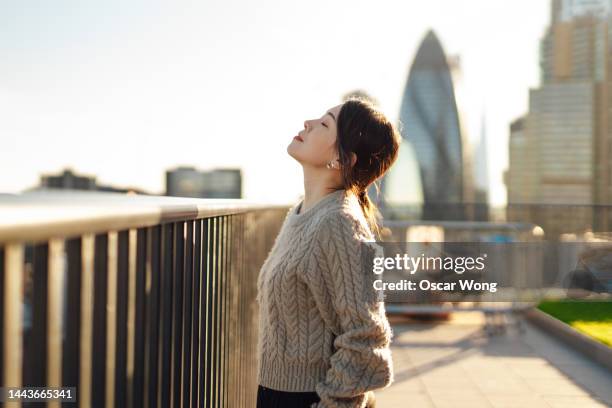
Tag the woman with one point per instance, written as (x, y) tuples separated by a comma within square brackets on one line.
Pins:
[(323, 338)]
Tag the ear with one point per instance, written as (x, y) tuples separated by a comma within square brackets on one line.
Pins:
[(353, 159)]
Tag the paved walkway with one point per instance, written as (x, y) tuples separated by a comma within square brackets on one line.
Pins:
[(455, 364)]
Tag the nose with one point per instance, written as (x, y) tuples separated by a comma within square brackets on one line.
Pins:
[(306, 124)]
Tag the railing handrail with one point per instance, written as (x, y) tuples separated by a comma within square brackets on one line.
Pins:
[(37, 216), (463, 224)]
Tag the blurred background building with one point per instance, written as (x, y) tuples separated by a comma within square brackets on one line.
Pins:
[(433, 177), (481, 175), (216, 183), (559, 152), (69, 180)]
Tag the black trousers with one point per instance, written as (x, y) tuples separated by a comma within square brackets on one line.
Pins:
[(269, 398)]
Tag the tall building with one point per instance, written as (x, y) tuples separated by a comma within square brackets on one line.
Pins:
[(481, 165), (481, 175), (521, 180), (566, 10), (559, 152), (429, 123), (217, 183)]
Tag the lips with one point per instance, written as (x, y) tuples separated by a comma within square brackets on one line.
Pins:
[(298, 138)]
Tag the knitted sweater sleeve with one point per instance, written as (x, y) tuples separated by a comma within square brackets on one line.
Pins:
[(362, 358)]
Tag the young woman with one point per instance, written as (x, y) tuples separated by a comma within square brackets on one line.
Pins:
[(323, 338)]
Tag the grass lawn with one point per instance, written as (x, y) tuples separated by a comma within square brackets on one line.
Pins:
[(593, 318)]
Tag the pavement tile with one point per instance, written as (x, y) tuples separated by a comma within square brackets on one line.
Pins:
[(454, 364), (389, 399), (557, 401), (517, 401)]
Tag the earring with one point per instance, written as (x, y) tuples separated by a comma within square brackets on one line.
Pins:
[(330, 165)]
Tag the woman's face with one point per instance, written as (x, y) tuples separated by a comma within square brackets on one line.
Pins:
[(315, 145)]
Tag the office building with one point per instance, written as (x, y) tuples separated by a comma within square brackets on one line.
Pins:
[(217, 183)]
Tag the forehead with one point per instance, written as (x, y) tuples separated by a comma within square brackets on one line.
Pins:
[(334, 111)]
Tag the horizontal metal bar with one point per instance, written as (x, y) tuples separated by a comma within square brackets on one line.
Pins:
[(430, 308), (39, 216), (476, 225)]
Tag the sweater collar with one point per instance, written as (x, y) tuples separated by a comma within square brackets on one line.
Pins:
[(335, 198)]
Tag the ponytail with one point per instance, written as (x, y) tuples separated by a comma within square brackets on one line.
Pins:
[(370, 211)]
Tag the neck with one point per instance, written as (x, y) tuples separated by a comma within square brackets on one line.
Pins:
[(317, 184)]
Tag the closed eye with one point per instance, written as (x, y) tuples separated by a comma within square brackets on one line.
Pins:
[(323, 124)]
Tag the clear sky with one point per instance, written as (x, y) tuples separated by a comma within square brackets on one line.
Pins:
[(124, 89)]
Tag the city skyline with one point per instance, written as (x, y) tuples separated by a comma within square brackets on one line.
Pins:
[(559, 150), (125, 94)]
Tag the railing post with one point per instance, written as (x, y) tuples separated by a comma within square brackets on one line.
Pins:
[(55, 315), (87, 311), (13, 315), (111, 319)]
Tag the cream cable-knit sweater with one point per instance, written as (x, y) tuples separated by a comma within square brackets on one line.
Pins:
[(317, 330)]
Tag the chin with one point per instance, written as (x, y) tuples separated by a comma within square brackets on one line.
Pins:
[(292, 154), (290, 149)]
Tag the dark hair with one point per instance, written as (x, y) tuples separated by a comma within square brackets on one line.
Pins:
[(365, 131)]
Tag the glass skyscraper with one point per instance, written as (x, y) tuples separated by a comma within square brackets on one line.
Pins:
[(430, 124)]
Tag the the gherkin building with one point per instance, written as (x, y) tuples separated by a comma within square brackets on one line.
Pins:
[(430, 125)]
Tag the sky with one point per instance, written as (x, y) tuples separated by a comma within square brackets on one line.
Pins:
[(126, 89)]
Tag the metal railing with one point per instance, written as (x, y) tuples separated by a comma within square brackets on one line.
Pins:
[(137, 301), (574, 262), (514, 259)]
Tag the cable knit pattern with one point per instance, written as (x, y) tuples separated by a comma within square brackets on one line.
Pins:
[(321, 326)]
